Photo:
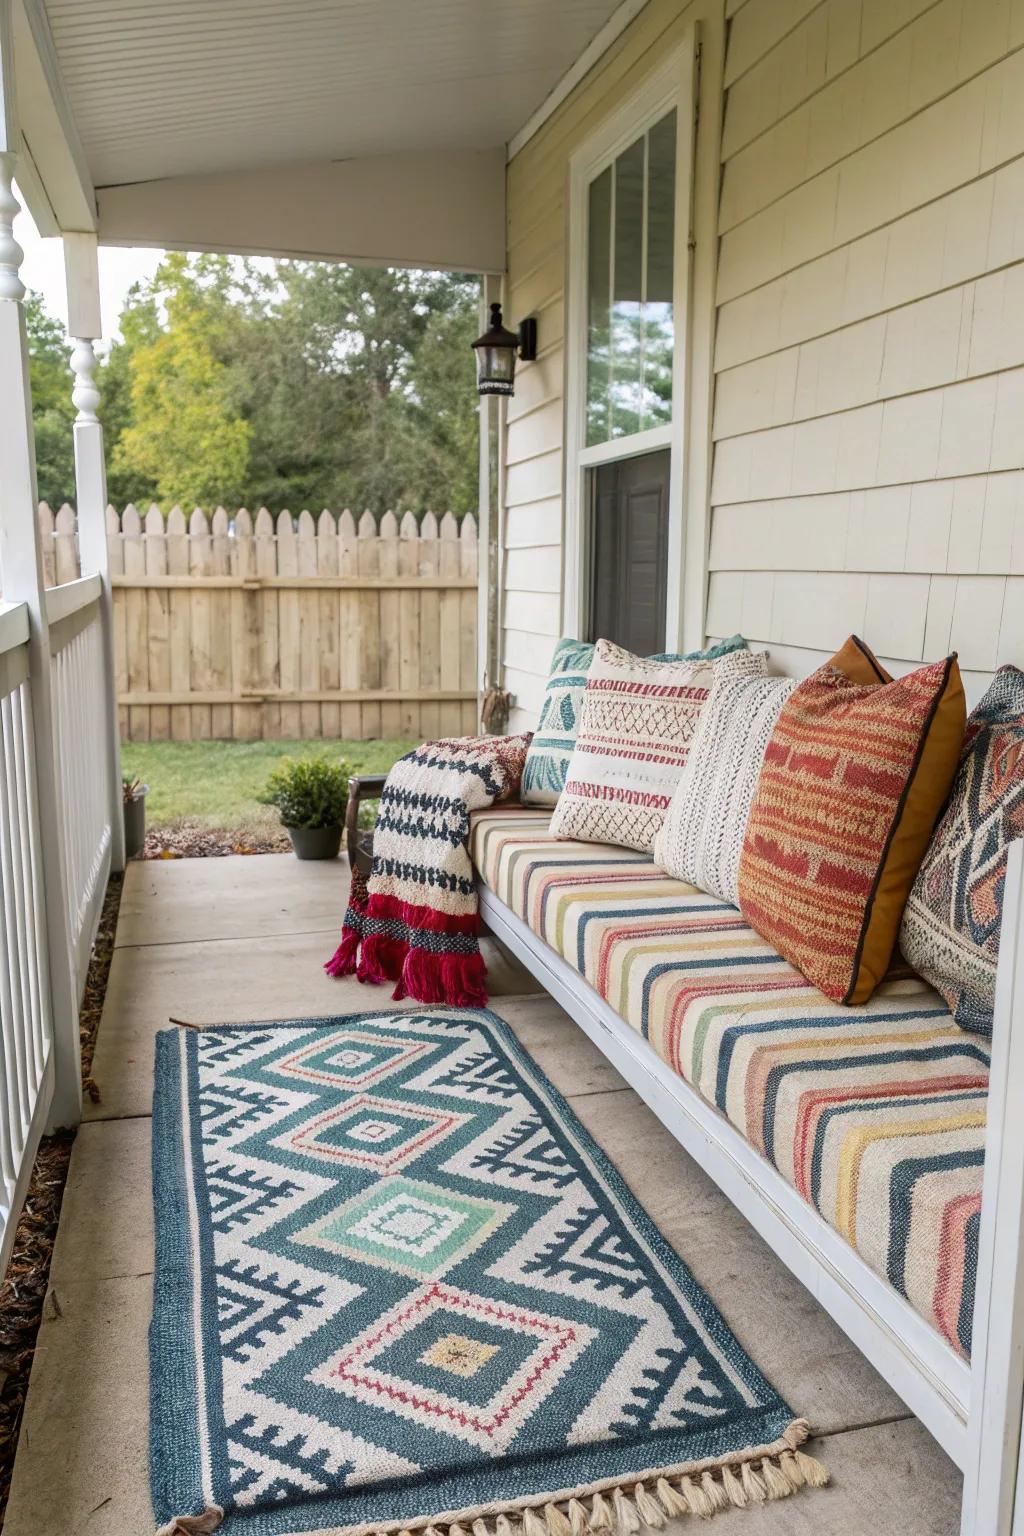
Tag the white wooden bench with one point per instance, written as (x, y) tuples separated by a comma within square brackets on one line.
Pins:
[(974, 1410)]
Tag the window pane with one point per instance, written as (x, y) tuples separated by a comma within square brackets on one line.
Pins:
[(598, 299), (658, 319), (627, 291), (630, 281)]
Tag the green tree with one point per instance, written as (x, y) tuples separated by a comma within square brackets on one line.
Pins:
[(140, 327), (185, 437), (294, 384), (53, 414)]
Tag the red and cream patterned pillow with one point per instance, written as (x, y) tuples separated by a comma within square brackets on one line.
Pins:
[(856, 771), (636, 725)]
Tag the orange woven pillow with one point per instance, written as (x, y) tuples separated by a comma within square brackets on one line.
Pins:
[(857, 771)]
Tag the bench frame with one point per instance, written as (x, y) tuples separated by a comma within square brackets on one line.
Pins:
[(974, 1411)]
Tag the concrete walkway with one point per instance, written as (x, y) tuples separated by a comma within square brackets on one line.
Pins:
[(215, 940)]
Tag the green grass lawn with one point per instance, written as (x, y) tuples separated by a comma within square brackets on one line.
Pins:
[(217, 782)]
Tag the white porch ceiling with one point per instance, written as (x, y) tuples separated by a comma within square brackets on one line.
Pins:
[(175, 88)]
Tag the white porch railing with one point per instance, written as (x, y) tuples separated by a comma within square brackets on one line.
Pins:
[(79, 687), (26, 1037), (61, 830)]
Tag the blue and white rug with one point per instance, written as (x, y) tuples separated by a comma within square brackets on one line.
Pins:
[(398, 1286)]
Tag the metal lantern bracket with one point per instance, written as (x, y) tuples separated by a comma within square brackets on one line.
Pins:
[(528, 339)]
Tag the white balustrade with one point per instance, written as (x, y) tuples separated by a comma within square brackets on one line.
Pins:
[(78, 693), (60, 810), (26, 1031)]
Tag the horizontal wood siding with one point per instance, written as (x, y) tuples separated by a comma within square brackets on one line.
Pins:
[(538, 180), (869, 359)]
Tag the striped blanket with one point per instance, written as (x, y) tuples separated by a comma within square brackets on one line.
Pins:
[(415, 921), (876, 1114)]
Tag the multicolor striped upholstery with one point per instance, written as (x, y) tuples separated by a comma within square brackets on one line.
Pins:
[(876, 1114)]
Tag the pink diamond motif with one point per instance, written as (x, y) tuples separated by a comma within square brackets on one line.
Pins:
[(491, 1426), (376, 1140)]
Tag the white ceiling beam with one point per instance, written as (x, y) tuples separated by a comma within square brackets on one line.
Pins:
[(439, 209), (58, 187)]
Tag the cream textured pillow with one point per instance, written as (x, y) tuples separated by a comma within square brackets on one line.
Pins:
[(701, 838), (636, 725)]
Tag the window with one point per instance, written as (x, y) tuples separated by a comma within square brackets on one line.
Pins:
[(630, 244), (626, 368)]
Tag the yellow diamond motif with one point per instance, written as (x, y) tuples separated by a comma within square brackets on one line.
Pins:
[(460, 1356)]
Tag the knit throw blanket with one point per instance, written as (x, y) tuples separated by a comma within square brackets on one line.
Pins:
[(415, 921)]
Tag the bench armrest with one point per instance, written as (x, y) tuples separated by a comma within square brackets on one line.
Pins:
[(361, 786)]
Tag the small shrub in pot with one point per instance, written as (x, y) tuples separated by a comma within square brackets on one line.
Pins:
[(310, 796)]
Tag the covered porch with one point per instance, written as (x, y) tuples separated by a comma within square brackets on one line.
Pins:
[(842, 449), (233, 939)]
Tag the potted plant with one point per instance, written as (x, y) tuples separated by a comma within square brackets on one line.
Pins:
[(133, 794), (310, 796)]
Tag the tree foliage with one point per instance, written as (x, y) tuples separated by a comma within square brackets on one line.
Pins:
[(52, 410), (284, 384)]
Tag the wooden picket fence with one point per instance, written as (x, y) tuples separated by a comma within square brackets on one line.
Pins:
[(241, 628)]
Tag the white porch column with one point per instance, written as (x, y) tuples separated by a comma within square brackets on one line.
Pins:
[(489, 554), (21, 574), (81, 265)]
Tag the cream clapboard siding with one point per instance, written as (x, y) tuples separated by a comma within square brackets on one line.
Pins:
[(869, 390), (538, 177)]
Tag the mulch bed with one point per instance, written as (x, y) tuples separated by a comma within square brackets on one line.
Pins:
[(24, 1286), (195, 840)]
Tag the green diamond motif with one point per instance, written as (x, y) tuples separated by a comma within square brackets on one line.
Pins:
[(408, 1226)]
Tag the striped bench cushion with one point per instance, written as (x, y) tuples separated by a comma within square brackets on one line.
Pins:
[(875, 1114)]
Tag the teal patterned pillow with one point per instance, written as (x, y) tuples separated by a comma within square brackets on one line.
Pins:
[(555, 736)]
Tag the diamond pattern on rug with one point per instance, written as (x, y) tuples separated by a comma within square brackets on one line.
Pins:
[(409, 1227), (383, 1366), (430, 1297), (363, 1058), (372, 1133)]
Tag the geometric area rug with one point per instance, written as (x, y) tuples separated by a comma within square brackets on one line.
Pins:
[(398, 1287)]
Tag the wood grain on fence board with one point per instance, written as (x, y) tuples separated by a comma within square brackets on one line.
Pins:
[(300, 627)]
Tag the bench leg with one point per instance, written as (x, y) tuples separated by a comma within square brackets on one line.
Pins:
[(993, 1474)]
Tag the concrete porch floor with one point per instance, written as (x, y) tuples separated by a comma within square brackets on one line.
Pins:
[(215, 940)]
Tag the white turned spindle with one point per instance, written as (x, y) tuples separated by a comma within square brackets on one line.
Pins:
[(11, 253), (84, 396)]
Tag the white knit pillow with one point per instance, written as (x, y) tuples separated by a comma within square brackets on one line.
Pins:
[(636, 725), (702, 834)]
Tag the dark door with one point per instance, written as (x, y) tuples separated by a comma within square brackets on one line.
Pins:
[(629, 551)]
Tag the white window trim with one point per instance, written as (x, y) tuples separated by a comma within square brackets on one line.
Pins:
[(672, 84)]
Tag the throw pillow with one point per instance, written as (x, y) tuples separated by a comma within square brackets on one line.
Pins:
[(702, 834), (855, 775), (636, 725), (950, 929), (555, 736)]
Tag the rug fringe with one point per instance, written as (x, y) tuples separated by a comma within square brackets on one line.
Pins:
[(632, 1507), (625, 1509)]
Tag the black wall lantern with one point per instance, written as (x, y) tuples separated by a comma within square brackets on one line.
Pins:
[(496, 352)]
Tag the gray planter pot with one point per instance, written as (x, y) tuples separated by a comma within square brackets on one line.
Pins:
[(135, 825), (315, 842)]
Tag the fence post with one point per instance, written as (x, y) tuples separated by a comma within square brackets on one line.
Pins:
[(21, 570), (81, 267)]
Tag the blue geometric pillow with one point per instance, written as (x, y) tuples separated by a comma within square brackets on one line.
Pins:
[(950, 928), (555, 735)]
